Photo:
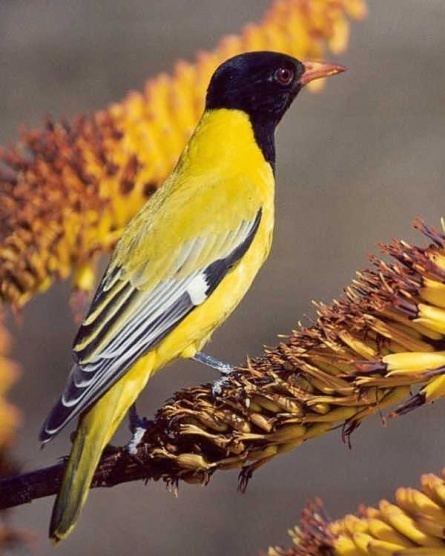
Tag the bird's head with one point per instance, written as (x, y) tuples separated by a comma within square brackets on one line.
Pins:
[(263, 84)]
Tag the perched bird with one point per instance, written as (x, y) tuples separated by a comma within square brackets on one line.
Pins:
[(183, 263)]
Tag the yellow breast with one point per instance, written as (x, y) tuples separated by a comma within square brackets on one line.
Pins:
[(224, 145)]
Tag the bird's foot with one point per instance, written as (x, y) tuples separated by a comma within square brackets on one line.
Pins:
[(138, 427), (219, 385), (224, 368), (135, 421)]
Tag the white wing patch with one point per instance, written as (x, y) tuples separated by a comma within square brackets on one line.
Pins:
[(197, 290)]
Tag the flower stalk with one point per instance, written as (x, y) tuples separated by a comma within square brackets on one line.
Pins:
[(67, 191), (379, 346)]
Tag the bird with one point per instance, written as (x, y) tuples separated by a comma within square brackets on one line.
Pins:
[(182, 264)]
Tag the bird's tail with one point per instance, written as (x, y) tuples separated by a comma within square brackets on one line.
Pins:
[(94, 432)]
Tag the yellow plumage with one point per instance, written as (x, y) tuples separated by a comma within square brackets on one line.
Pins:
[(207, 196), (183, 263)]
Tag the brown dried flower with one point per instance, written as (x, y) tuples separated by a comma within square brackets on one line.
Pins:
[(383, 339)]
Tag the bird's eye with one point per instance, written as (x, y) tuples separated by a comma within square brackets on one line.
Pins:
[(284, 76)]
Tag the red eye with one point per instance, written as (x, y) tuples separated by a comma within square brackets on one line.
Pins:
[(284, 76)]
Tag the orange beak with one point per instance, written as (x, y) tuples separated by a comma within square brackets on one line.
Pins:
[(317, 70)]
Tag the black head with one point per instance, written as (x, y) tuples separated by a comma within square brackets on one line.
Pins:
[(263, 85)]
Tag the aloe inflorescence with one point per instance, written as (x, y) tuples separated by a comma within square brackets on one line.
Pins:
[(412, 525), (380, 345)]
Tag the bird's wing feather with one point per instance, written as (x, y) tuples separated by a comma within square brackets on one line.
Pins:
[(127, 317)]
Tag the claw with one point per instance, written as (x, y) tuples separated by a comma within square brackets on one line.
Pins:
[(132, 446), (224, 368), (135, 421), (219, 385), (138, 427)]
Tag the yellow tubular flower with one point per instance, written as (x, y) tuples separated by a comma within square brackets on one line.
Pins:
[(414, 524), (67, 190)]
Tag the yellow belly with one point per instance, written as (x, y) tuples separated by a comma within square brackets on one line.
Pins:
[(195, 330), (228, 142)]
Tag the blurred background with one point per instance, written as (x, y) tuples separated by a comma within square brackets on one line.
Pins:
[(356, 163)]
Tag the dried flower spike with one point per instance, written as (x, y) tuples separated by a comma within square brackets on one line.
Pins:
[(66, 191), (414, 524), (380, 345)]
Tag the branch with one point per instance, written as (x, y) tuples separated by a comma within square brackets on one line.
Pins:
[(116, 467), (365, 353)]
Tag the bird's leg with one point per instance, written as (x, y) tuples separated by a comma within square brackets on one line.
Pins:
[(137, 422), (138, 425), (224, 368)]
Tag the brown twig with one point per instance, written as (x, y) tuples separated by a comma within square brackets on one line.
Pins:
[(116, 467)]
